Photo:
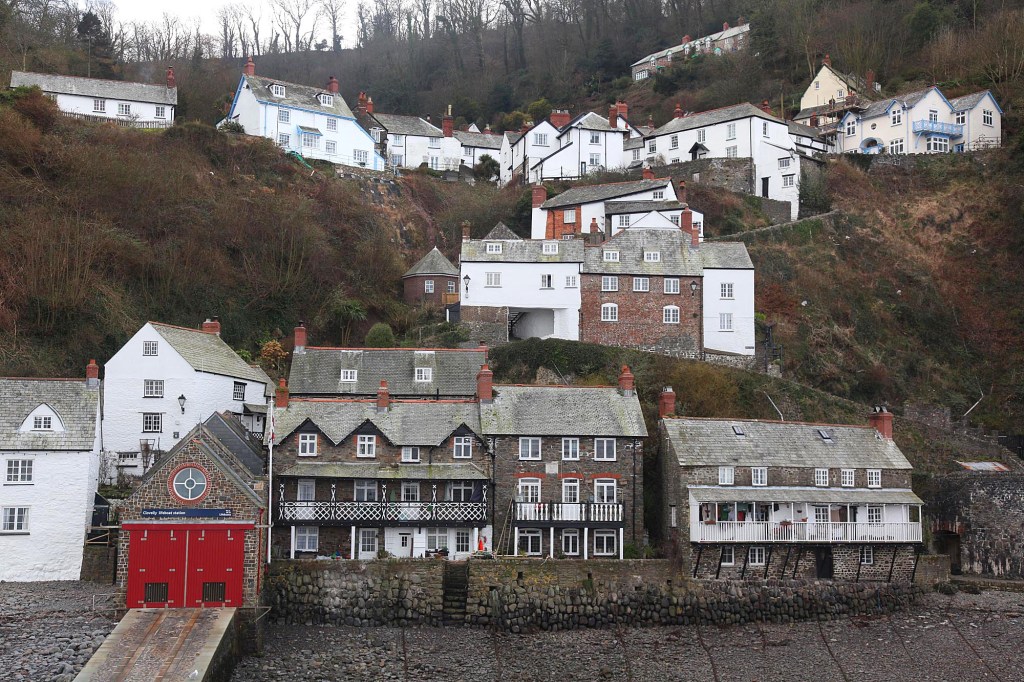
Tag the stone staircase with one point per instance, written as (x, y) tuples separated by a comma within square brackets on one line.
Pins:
[(456, 587)]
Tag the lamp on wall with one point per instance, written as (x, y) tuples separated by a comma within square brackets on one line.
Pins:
[(465, 283), (181, 402), (693, 288)]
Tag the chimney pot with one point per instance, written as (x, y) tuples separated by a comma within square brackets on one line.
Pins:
[(686, 224), (881, 419), (766, 107), (465, 231), (487, 130), (485, 384), (682, 191), (369, 104), (814, 120), (212, 325), (687, 39), (667, 402), (332, 85), (826, 60), (613, 117), (869, 78), (447, 123), (725, 25), (92, 374), (300, 339), (559, 118), (627, 382), (623, 108), (250, 67), (172, 82), (383, 397), (647, 173), (281, 393), (678, 113), (540, 195)]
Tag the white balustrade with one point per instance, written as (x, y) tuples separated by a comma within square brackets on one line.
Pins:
[(786, 531), (382, 511), (569, 511)]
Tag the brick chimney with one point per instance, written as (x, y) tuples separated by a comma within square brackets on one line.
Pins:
[(869, 79), (725, 25), (212, 325), (369, 104), (687, 39), (447, 123), (623, 109), (650, 121), (281, 393), (613, 117), (172, 82), (594, 227), (332, 85), (648, 174), (667, 402), (361, 103), (881, 419), (686, 225), (485, 384), (826, 60), (766, 107), (250, 68), (465, 231), (487, 130), (678, 113), (559, 118), (682, 191), (300, 339), (383, 397), (814, 120), (627, 383), (92, 374), (540, 195)]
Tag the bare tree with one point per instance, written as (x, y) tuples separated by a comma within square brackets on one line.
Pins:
[(332, 11)]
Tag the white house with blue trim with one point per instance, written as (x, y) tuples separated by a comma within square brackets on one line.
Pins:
[(922, 122), (314, 122)]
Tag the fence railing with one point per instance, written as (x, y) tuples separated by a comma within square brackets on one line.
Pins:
[(397, 512), (784, 531), (123, 121), (951, 129), (569, 511)]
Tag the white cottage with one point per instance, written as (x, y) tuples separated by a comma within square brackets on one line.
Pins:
[(49, 460), (476, 145), (311, 121), (138, 105), (586, 144), (412, 142), (167, 379)]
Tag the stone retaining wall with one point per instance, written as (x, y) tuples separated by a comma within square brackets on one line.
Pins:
[(522, 595)]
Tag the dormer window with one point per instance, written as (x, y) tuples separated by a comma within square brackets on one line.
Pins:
[(424, 374), (277, 90), (611, 256), (493, 247), (327, 100), (550, 248), (42, 423), (652, 256), (349, 375)]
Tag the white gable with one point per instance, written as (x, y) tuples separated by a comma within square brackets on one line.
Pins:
[(43, 418)]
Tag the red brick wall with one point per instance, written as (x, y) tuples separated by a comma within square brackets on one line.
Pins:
[(556, 225), (641, 324), (413, 289)]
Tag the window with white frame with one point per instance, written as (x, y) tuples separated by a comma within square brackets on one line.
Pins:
[(238, 391), (874, 478), (570, 542), (124, 109), (19, 471), (986, 117), (784, 162), (730, 131), (349, 375), (725, 322), (604, 449), (397, 140), (332, 126), (42, 423), (788, 180), (658, 194), (571, 282), (933, 116), (152, 388), (641, 284), (896, 146), (545, 282), (149, 348), (595, 138), (99, 106), (307, 538), (492, 279), (817, 85), (840, 93), (758, 476), (756, 556), (410, 491), (462, 540), (410, 453), (570, 448), (376, 133), (670, 314), (528, 490), (529, 448), (459, 491), (367, 540), (540, 139), (764, 128), (851, 128), (331, 147), (160, 111), (896, 116), (570, 490), (152, 422), (652, 256), (731, 152), (726, 475), (326, 100), (821, 477), (702, 136), (938, 144), (609, 283), (424, 374), (463, 447), (846, 478), (609, 312), (493, 247), (726, 290), (605, 490), (636, 154), (550, 248), (437, 538), (361, 156), (284, 139), (364, 490), (671, 285), (308, 444), (428, 286), (821, 514), (366, 446), (728, 555), (867, 555), (624, 220), (604, 543), (14, 519), (435, 143), (673, 142), (595, 160), (310, 141), (284, 116), (874, 513), (529, 542), (610, 256), (451, 287), (651, 146), (305, 490), (277, 90)]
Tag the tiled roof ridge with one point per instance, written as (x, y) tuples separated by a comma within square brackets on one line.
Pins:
[(43, 379), (553, 386), (433, 350), (90, 78), (278, 81), (372, 400), (769, 421), (178, 326)]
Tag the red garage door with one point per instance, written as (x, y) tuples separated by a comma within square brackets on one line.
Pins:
[(176, 566)]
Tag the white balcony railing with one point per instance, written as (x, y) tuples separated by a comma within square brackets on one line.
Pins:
[(951, 129), (569, 511), (784, 531), (398, 512)]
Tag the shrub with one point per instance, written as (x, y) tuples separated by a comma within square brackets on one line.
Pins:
[(380, 336)]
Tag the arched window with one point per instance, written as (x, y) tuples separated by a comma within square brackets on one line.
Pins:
[(670, 314), (609, 312)]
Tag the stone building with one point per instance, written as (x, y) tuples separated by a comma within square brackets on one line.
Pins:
[(433, 280), (193, 533), (748, 498)]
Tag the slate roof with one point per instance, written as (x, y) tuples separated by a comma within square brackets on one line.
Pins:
[(616, 207), (296, 95), (715, 116), (96, 87), (677, 259), (908, 100), (712, 442), (502, 231), (408, 125), (434, 263), (968, 101), (423, 472), (423, 423), (522, 251), (725, 256), (801, 129), (514, 137), (317, 371), (562, 410), (591, 121), (206, 352), (236, 440), (635, 142), (482, 140), (585, 194), (811, 495), (75, 404)]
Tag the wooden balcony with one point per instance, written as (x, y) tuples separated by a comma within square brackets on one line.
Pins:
[(383, 513), (804, 532), (568, 514)]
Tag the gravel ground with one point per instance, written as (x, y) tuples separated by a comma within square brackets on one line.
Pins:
[(48, 630), (969, 637)]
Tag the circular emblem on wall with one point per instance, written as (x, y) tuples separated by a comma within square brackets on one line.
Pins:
[(189, 483)]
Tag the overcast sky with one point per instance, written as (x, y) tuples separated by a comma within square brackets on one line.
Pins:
[(148, 10)]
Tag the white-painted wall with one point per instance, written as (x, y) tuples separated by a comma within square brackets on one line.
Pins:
[(577, 149), (741, 339), (520, 289), (825, 87), (588, 212), (527, 151), (140, 111), (418, 544), (417, 149)]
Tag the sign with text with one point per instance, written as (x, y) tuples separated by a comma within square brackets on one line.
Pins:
[(187, 513)]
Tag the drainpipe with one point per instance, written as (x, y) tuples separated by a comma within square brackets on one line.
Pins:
[(633, 505)]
